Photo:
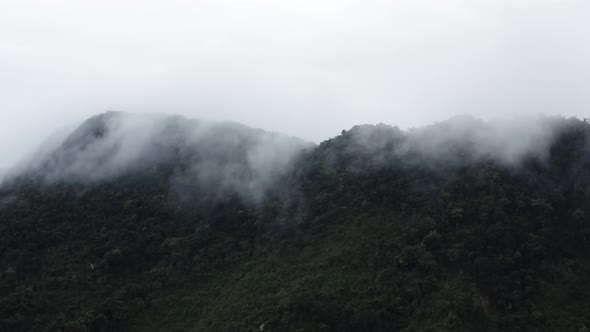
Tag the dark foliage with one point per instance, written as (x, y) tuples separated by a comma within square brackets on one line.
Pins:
[(368, 241)]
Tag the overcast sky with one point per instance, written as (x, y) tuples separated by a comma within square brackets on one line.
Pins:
[(308, 68)]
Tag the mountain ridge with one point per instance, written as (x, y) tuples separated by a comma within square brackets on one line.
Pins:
[(376, 229)]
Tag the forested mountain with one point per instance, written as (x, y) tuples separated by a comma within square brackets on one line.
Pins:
[(170, 224)]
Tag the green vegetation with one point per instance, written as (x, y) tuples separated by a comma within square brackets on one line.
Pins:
[(365, 240)]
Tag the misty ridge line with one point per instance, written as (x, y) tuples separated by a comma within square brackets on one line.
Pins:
[(225, 157), (506, 141)]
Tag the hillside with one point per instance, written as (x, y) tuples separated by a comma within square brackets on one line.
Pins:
[(171, 224)]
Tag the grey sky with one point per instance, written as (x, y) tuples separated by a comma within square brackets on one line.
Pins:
[(307, 68)]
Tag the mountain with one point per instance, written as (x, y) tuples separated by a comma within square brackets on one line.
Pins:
[(158, 223)]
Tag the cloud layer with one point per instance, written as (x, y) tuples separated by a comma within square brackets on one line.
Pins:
[(216, 158)]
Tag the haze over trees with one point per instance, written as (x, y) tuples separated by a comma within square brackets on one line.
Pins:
[(153, 223)]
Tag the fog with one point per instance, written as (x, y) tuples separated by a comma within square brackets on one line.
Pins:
[(215, 159), (455, 141), (304, 68)]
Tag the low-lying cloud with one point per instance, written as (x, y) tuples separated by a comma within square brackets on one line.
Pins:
[(217, 160), (224, 157), (457, 140)]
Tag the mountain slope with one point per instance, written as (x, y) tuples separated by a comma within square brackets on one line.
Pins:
[(377, 229)]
